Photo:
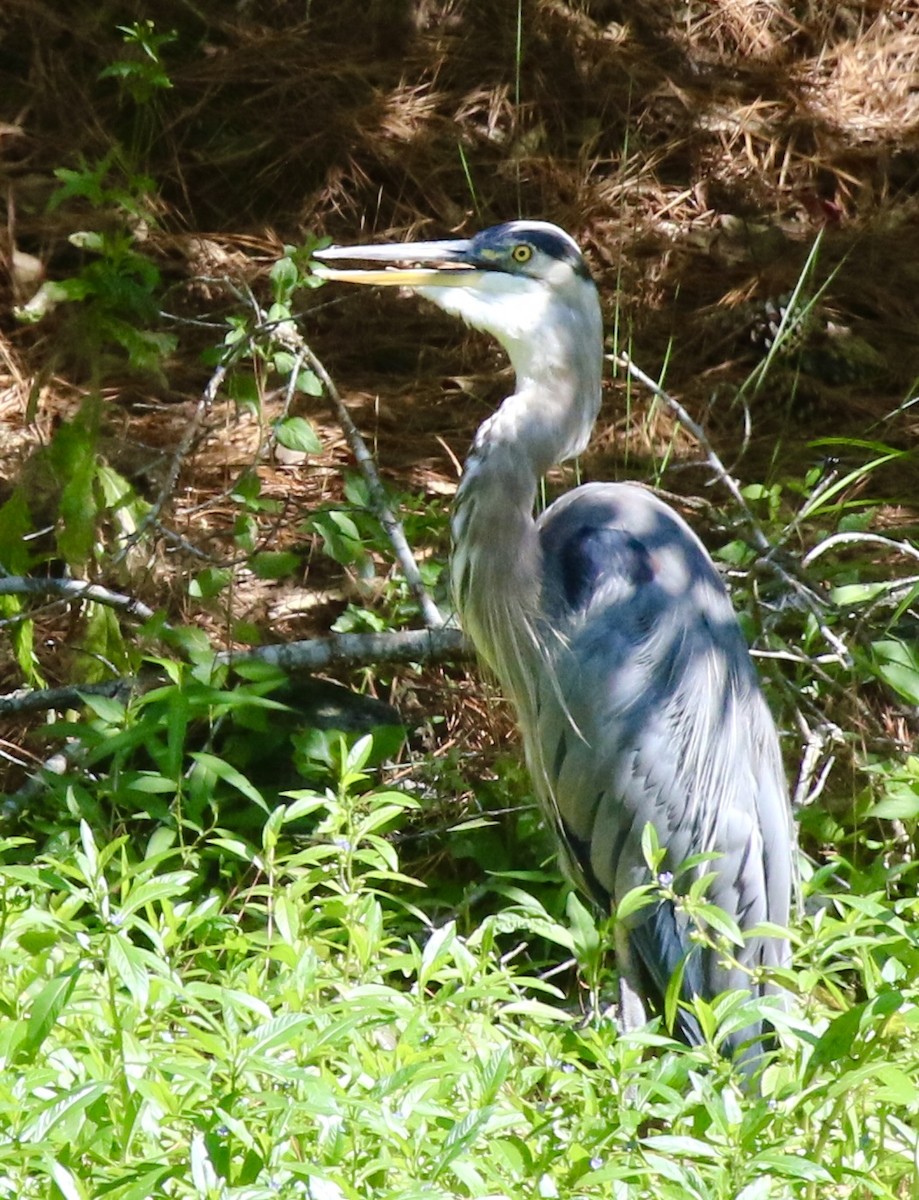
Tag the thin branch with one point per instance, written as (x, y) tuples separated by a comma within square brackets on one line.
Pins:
[(874, 539), (816, 763), (74, 590), (359, 650), (151, 517), (446, 644), (760, 540), (431, 614), (287, 332), (758, 537)]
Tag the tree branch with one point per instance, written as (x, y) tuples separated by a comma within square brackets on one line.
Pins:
[(74, 590), (392, 526), (359, 650), (760, 541), (31, 700), (151, 517), (342, 650)]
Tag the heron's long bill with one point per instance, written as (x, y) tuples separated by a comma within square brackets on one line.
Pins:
[(450, 264)]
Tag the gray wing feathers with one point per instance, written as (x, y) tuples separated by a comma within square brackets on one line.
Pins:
[(655, 715)]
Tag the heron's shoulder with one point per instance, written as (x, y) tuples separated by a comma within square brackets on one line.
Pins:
[(614, 541), (622, 505)]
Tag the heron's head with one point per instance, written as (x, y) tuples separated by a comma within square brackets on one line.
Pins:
[(524, 282)]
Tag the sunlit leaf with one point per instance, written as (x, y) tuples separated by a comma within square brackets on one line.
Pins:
[(296, 433)]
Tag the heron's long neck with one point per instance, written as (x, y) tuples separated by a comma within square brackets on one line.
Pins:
[(497, 562)]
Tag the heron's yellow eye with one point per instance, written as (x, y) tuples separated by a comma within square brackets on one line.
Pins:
[(522, 253)]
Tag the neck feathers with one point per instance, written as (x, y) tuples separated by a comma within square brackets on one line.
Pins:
[(554, 339)]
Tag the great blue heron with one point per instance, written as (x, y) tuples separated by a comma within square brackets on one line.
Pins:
[(609, 627)]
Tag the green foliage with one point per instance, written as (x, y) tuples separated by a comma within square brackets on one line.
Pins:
[(274, 1011), (116, 291), (351, 535), (263, 350), (143, 75), (107, 184), (15, 558)]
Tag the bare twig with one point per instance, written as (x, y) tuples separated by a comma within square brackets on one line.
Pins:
[(874, 539), (341, 650), (73, 590), (287, 332), (760, 540), (359, 649), (431, 614), (758, 537), (816, 763), (188, 439)]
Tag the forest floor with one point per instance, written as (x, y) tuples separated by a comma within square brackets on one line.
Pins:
[(713, 161)]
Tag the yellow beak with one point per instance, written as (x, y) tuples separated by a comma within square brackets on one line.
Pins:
[(450, 265)]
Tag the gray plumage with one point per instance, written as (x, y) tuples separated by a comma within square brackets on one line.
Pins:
[(608, 625)]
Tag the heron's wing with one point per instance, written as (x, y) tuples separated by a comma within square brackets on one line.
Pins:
[(651, 712)]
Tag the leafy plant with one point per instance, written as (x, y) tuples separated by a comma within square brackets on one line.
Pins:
[(143, 75)]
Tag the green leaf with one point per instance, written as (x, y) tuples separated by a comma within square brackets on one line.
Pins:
[(673, 994), (583, 925), (170, 886), (340, 535), (461, 1136), (636, 899), (296, 433), (838, 1039), (790, 1166), (719, 920), (436, 950), (223, 770), (104, 643), (682, 1146), (52, 1114), (309, 383), (210, 582), (126, 963), (281, 1031), (284, 278), (107, 708), (849, 594), (275, 564), (73, 455), (898, 665), (67, 1184), (244, 389), (900, 803), (895, 1086), (46, 1008), (651, 847), (15, 525)]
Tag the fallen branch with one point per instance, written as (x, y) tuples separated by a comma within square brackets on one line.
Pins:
[(359, 650), (31, 700), (341, 650), (74, 590)]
